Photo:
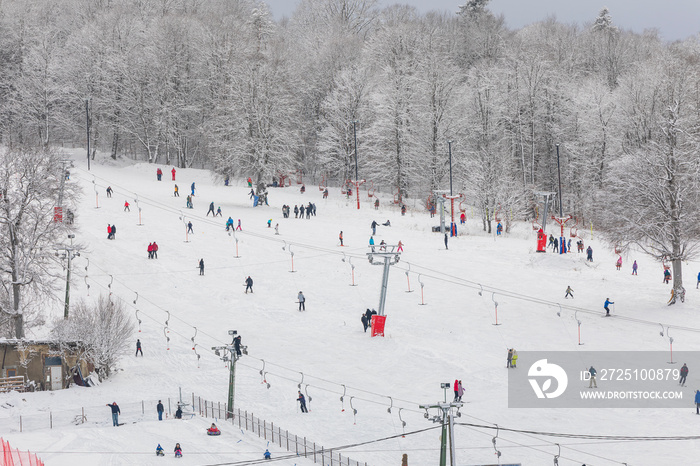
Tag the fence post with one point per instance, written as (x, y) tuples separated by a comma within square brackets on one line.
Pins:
[(169, 411), (20, 423), (143, 408), (286, 434), (193, 401), (50, 420), (218, 409), (304, 447), (272, 431), (264, 429), (246, 420), (279, 436), (82, 419), (296, 444), (314, 452)]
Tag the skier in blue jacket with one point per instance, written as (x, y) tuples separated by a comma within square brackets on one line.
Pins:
[(697, 401), (605, 306)]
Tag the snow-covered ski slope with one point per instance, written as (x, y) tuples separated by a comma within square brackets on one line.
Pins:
[(324, 348)]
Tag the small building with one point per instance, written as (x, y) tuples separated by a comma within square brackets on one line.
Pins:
[(29, 365)]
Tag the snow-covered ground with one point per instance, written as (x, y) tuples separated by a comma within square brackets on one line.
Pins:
[(450, 337)]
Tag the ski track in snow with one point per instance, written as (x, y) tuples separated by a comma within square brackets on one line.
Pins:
[(450, 337)]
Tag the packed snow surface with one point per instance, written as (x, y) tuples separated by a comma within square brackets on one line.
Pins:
[(324, 349)]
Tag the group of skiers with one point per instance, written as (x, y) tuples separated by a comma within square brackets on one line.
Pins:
[(111, 231), (367, 318), (299, 210), (153, 250), (159, 174)]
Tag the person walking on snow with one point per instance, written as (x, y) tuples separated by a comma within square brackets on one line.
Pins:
[(277, 228), (592, 382), (248, 284), (269, 223), (302, 300), (109, 231), (618, 264), (159, 174), (192, 187), (115, 413), (634, 268), (239, 225), (460, 391), (374, 227), (514, 359), (569, 292), (150, 250), (201, 266), (189, 228), (456, 390), (138, 347), (211, 209), (509, 359), (301, 211), (446, 241), (340, 237), (176, 193), (589, 253), (698, 283), (400, 247), (155, 250), (363, 319), (160, 409), (173, 172), (371, 242), (605, 306), (302, 403), (109, 191), (126, 206), (684, 374), (189, 202)]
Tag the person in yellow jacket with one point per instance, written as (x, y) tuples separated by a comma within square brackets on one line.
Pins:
[(514, 360)]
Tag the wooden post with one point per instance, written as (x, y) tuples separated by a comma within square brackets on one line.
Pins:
[(272, 431), (404, 460), (143, 407), (304, 447), (50, 420), (20, 423), (82, 419), (296, 444)]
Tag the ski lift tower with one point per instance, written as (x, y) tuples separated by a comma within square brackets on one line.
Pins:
[(440, 195), (451, 197), (561, 220), (547, 195), (391, 257)]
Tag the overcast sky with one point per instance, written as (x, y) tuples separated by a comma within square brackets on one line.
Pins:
[(675, 19)]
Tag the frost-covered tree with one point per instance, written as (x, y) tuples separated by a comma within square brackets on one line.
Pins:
[(101, 331), (653, 192), (30, 181)]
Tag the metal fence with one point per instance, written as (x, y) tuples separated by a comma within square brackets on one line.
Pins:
[(275, 434)]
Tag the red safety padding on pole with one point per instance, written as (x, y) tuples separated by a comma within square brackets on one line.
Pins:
[(378, 325)]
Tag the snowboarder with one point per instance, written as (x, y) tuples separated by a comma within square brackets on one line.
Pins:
[(211, 209), (365, 324), (302, 403), (374, 227), (176, 193), (592, 382), (634, 268), (509, 359), (302, 300), (189, 228), (371, 242), (192, 187), (173, 172), (109, 191), (340, 237), (569, 292), (248, 284), (399, 247), (605, 306), (201, 266), (238, 227), (618, 264), (155, 250), (159, 174), (446, 241), (218, 212), (126, 206), (267, 455), (589, 253), (115, 413), (178, 451), (667, 275), (160, 409), (138, 347), (160, 451), (684, 374)]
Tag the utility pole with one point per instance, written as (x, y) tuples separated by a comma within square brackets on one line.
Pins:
[(446, 418), (69, 252), (230, 354), (357, 181)]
